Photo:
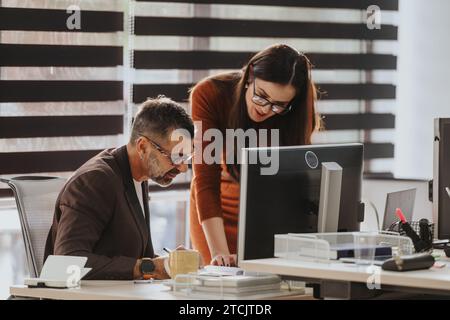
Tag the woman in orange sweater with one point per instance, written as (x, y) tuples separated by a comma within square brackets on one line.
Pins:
[(273, 91)]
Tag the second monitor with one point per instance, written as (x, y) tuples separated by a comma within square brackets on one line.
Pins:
[(288, 201)]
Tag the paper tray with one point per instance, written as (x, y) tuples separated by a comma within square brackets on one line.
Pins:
[(327, 246)]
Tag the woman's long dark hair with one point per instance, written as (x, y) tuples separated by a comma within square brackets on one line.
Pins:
[(284, 65)]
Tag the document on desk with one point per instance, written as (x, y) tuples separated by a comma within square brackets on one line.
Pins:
[(240, 281), (239, 290), (239, 284)]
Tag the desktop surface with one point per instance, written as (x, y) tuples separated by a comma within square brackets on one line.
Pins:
[(434, 279), (128, 290), (100, 290)]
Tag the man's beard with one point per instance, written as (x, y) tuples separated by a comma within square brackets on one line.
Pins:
[(163, 179), (166, 179)]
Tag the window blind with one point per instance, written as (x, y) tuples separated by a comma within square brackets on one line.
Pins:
[(177, 43), (61, 90)]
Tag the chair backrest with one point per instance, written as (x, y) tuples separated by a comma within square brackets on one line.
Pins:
[(35, 198)]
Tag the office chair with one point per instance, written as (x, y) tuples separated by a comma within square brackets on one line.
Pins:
[(35, 198)]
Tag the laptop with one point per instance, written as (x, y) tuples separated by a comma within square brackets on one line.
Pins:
[(400, 199), (60, 272)]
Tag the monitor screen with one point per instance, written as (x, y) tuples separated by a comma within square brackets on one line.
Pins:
[(288, 201)]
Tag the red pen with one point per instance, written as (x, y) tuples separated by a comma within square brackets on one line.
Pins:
[(417, 242), (400, 215)]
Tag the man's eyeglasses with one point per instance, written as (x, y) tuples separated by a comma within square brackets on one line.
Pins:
[(173, 158), (261, 101)]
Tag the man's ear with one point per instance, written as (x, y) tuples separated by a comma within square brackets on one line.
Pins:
[(140, 147)]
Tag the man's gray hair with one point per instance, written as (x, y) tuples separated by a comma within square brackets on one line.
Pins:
[(159, 115)]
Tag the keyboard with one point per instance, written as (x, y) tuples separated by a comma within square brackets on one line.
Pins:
[(221, 271)]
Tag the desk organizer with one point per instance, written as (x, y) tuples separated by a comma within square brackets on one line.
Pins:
[(325, 246)]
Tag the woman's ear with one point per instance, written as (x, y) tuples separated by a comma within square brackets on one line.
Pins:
[(250, 74)]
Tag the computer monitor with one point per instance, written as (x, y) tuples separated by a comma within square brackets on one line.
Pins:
[(288, 201), (441, 178), (404, 200)]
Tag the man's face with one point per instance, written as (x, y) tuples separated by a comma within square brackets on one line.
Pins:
[(163, 163)]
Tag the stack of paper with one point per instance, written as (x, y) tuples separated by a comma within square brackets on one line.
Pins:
[(238, 284)]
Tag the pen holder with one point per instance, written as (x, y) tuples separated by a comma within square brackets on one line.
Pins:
[(396, 227), (424, 241)]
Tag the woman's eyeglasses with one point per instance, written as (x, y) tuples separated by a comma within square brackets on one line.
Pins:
[(261, 101), (173, 158)]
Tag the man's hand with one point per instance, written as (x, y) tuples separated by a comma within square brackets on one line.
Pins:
[(228, 260), (159, 272)]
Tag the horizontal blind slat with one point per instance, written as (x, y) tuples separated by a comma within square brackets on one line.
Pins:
[(35, 91), (60, 126), (203, 60), (56, 20), (359, 121), (378, 150), (58, 161), (338, 4), (51, 161), (208, 27), (59, 55), (6, 193), (333, 91)]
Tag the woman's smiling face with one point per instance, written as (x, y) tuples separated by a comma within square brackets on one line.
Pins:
[(260, 92)]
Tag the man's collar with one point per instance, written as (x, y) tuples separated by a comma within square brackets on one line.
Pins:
[(121, 156)]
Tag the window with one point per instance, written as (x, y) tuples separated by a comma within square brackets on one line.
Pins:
[(57, 85)]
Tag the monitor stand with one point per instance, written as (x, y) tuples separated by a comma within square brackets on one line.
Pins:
[(330, 197)]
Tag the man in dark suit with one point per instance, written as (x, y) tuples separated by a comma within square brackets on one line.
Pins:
[(102, 212)]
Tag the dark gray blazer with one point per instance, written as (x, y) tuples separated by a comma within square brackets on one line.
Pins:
[(98, 215)]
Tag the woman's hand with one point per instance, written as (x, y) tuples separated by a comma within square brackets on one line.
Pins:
[(227, 260), (217, 242)]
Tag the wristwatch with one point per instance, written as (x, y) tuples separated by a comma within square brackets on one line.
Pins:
[(147, 267)]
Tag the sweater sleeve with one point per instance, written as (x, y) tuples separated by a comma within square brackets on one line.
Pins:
[(206, 177)]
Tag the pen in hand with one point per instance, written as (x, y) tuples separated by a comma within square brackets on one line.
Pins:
[(166, 250)]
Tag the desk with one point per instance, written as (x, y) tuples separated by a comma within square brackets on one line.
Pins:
[(339, 277), (123, 290), (99, 290)]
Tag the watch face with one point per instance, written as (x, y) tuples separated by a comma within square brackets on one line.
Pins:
[(147, 266)]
